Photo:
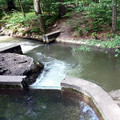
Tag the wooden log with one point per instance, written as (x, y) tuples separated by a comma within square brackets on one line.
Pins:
[(12, 49), (47, 38), (13, 82)]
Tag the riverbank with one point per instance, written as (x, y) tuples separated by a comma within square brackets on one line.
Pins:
[(81, 44), (103, 40)]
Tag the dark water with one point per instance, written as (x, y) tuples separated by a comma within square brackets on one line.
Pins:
[(43, 105)]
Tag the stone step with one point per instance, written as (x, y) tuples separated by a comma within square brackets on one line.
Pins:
[(12, 49), (13, 82)]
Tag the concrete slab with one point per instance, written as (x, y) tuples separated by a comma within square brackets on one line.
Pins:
[(47, 38), (104, 103), (13, 81), (11, 49)]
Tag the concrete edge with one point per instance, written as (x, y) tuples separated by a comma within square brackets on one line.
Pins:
[(10, 82), (108, 109), (12, 49)]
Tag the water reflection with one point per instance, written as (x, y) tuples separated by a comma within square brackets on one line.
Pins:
[(43, 105)]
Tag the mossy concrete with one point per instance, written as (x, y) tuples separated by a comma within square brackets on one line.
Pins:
[(108, 109)]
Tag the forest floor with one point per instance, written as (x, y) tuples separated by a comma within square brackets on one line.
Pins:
[(78, 27)]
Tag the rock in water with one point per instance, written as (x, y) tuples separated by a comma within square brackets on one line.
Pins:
[(15, 64)]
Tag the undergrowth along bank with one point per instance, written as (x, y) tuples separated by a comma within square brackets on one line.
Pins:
[(113, 43)]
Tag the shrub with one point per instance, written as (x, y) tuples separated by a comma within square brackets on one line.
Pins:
[(101, 14)]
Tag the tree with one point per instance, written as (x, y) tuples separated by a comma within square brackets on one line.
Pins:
[(114, 16), (11, 5), (62, 9), (21, 8), (39, 14)]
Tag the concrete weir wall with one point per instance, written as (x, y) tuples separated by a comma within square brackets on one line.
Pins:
[(16, 81), (108, 109), (11, 49)]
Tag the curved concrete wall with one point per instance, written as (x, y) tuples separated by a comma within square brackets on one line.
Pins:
[(104, 103)]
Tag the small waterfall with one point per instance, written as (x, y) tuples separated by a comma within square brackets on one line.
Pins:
[(52, 75)]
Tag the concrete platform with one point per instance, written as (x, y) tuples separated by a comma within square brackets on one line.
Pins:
[(104, 103), (47, 38), (13, 82), (12, 49)]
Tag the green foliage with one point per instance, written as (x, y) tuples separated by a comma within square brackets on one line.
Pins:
[(94, 34), (17, 22), (50, 20), (94, 16), (3, 4), (118, 24), (2, 7), (1, 13), (82, 48), (113, 43), (17, 18), (49, 7), (101, 14), (27, 5), (91, 17), (34, 29)]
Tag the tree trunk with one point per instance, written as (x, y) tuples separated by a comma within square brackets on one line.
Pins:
[(38, 13), (22, 8), (10, 4), (114, 16), (62, 9)]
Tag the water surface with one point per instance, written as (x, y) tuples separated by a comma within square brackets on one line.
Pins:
[(43, 105), (60, 61)]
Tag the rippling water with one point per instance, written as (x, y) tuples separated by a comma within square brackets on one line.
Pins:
[(60, 61)]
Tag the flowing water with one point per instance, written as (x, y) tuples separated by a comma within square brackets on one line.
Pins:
[(59, 61)]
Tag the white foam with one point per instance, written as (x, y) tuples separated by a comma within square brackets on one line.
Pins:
[(53, 74)]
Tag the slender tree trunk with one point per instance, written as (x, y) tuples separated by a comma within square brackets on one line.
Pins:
[(38, 13), (62, 9), (10, 4), (21, 8), (114, 16)]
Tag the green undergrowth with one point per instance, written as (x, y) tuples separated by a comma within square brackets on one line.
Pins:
[(93, 18), (113, 43), (17, 17), (16, 22)]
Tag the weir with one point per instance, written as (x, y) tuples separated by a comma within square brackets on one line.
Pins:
[(104, 104), (11, 49), (14, 81)]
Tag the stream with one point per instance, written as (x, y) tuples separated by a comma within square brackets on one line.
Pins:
[(59, 61)]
